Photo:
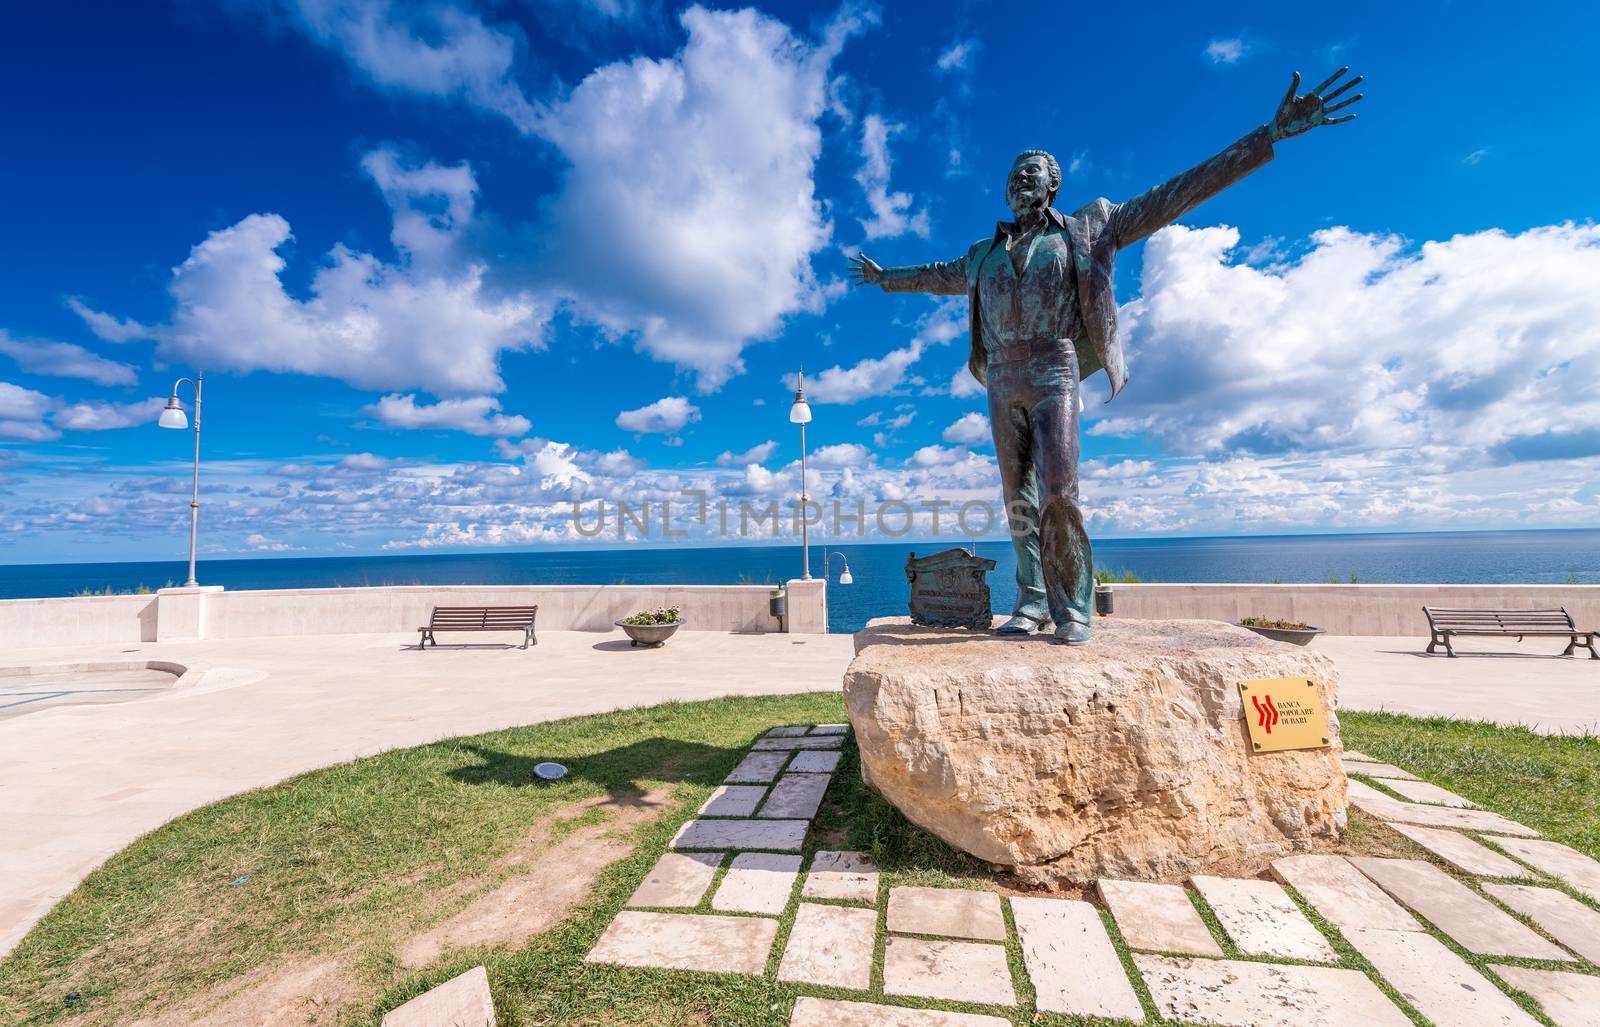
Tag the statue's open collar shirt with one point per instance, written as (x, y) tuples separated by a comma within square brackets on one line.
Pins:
[(1032, 298)]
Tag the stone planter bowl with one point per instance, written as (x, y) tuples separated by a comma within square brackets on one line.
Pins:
[(649, 634), (1294, 636)]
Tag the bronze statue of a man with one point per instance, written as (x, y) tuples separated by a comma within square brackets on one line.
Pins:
[(1044, 317)]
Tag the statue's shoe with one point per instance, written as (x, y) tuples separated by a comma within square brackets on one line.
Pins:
[(1072, 633), (1021, 624)]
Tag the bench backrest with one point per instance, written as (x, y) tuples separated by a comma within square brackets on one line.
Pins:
[(1505, 620), (509, 618)]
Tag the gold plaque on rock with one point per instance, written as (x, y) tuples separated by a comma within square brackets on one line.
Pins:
[(1284, 713)]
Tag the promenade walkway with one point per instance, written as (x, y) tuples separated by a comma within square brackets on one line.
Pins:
[(80, 782)]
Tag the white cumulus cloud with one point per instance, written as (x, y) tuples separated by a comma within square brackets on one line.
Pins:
[(1480, 348), (700, 168), (666, 416), (891, 211), (970, 429), (432, 49), (96, 415), (64, 360), (475, 415), (1226, 51), (406, 325), (754, 455)]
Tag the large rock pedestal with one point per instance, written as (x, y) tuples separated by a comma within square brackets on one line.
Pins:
[(1128, 757)]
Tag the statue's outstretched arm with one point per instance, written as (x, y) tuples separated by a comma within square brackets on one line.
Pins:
[(941, 278), (1169, 201)]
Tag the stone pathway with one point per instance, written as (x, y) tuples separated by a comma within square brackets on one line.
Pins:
[(1223, 951)]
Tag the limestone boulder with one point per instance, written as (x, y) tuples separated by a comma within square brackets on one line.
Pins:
[(1128, 757)]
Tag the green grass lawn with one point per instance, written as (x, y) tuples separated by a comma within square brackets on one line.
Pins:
[(354, 859)]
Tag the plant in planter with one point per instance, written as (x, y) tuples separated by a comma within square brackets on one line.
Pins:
[(1290, 631), (652, 627), (1104, 601)]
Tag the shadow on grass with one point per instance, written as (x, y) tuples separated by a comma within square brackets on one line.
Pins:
[(619, 771), (856, 817)]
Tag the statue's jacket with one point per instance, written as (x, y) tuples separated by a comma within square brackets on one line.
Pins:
[(1093, 234)]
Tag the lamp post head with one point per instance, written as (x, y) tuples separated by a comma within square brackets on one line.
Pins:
[(845, 577), (173, 416), (800, 412)]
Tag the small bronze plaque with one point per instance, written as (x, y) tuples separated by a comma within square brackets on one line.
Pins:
[(1284, 713), (950, 590)]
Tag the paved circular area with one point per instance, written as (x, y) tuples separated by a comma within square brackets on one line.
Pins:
[(22, 694)]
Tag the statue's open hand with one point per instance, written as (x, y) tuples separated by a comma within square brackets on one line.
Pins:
[(1297, 114), (864, 270)]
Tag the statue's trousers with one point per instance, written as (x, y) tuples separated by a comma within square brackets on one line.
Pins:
[(1033, 411)]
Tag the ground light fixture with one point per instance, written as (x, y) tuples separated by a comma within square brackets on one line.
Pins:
[(174, 417), (800, 413)]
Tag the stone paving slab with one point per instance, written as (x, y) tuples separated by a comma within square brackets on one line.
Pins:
[(821, 1012), (1348, 755), (1071, 961), (687, 941), (1232, 993), (1571, 1000), (1262, 919), (1558, 861), (1437, 982), (757, 882), (757, 768), (831, 946), (1385, 807), (462, 1001), (1375, 769), (774, 835), (957, 971), (733, 801), (1342, 894), (1561, 916), (1422, 791), (842, 876), (679, 879), (791, 731), (831, 729), (1461, 852), (1472, 920), (947, 912), (1159, 917), (812, 762), (808, 742), (796, 797)]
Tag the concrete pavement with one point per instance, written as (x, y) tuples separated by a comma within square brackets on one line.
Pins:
[(1496, 679), (79, 783)]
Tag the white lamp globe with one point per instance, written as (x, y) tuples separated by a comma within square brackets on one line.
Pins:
[(173, 416)]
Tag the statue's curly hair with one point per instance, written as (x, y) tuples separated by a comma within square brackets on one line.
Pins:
[(1050, 162)]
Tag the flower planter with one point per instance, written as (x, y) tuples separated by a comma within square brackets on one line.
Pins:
[(1294, 636), (649, 634)]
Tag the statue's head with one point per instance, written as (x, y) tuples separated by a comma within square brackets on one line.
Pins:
[(1033, 183)]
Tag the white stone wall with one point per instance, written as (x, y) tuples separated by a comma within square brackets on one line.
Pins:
[(177, 614), (1351, 609)]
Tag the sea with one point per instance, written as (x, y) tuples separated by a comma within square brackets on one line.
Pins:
[(880, 587)]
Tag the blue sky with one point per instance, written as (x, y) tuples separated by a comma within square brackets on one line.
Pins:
[(452, 266)]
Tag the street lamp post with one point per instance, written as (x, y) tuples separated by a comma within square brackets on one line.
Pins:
[(800, 413), (174, 417), (845, 577)]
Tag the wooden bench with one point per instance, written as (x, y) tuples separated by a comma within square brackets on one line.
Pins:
[(481, 618), (1447, 624)]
